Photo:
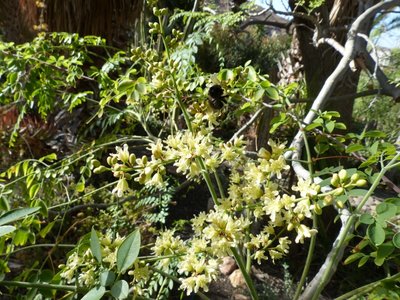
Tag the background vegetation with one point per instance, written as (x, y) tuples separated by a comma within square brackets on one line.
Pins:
[(150, 146)]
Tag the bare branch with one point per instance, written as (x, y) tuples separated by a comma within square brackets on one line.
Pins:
[(332, 42), (247, 125), (345, 97), (387, 87), (326, 271), (266, 23)]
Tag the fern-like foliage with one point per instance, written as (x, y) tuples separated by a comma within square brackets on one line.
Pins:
[(156, 202)]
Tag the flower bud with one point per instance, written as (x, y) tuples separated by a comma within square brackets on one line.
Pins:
[(361, 182), (354, 178), (335, 180), (340, 204), (100, 170), (328, 199), (132, 159), (95, 163), (317, 209), (156, 12), (142, 178), (263, 153), (163, 11), (339, 191), (342, 175), (290, 227)]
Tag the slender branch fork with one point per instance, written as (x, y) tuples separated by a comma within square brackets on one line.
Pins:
[(317, 284)]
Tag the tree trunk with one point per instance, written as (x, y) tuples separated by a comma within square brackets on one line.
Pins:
[(111, 19)]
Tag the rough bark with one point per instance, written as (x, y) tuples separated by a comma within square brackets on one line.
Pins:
[(112, 19)]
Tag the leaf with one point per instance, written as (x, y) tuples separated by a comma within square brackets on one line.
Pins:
[(6, 229), (47, 229), (95, 293), (272, 93), (225, 75), (95, 245), (330, 126), (366, 219), (396, 240), (107, 278), (376, 234), (80, 186), (141, 85), (354, 147), (312, 126), (321, 148), (21, 237), (265, 84), (385, 250), (258, 94), (50, 157), (362, 261), (252, 74), (4, 204), (128, 251), (357, 192), (353, 258), (17, 214), (385, 212), (120, 289), (34, 189), (125, 85), (340, 125), (374, 148), (375, 133)]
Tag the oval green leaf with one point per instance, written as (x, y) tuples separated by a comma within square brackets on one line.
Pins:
[(354, 148), (95, 293), (376, 234), (128, 251), (107, 278), (396, 240), (272, 93), (95, 245), (120, 289), (366, 219)]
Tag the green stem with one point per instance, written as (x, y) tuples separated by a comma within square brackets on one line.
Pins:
[(354, 294), (79, 198), (178, 99), (39, 246), (42, 286), (248, 260), (207, 179), (246, 275), (337, 250), (308, 261), (315, 225), (219, 184)]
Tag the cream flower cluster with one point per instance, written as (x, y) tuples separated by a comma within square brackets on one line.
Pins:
[(185, 150), (81, 266), (254, 216)]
